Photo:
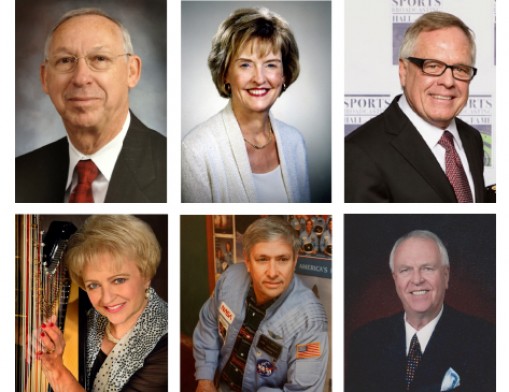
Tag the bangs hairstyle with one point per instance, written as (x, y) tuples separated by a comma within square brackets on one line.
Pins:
[(121, 236), (424, 234), (128, 46), (259, 26), (268, 229), (430, 22)]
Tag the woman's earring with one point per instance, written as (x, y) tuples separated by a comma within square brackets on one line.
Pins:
[(147, 292), (228, 89), (284, 87)]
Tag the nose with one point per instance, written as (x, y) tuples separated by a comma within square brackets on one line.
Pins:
[(259, 75), (107, 295), (81, 74), (446, 79), (417, 277), (272, 269)]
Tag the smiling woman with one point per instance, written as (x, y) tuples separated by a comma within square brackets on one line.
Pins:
[(114, 258), (243, 154)]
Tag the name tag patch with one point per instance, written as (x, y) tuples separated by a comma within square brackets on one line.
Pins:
[(309, 350), (269, 346), (265, 368), (226, 312)]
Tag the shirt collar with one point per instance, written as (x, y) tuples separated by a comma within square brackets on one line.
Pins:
[(105, 158), (429, 133), (424, 334)]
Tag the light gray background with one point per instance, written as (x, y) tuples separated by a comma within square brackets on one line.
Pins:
[(306, 104), (37, 121)]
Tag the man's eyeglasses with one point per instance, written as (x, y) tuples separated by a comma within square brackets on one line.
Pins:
[(437, 68), (96, 62)]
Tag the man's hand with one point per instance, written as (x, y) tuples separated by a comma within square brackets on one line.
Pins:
[(206, 386)]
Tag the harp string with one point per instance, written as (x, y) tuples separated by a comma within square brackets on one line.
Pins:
[(42, 290)]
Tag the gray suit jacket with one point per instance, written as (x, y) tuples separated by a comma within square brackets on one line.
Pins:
[(139, 175)]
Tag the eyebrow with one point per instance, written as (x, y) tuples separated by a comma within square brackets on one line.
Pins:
[(108, 278), (65, 49), (267, 61), (276, 256)]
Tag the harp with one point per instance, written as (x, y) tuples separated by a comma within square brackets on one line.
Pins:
[(43, 288)]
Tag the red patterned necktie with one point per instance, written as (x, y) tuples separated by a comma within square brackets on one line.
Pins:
[(87, 173), (454, 169), (413, 359)]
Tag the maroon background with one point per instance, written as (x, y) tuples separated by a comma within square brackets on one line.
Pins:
[(369, 288)]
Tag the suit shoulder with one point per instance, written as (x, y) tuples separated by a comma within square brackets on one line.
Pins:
[(141, 135), (43, 161), (145, 131), (378, 329), (207, 131), (44, 153), (286, 128), (469, 324), (367, 132), (466, 130), (465, 126)]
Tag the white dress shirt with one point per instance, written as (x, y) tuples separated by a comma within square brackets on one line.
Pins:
[(104, 159), (424, 334), (432, 135)]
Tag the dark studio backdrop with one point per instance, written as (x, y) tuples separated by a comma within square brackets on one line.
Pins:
[(37, 121), (369, 288)]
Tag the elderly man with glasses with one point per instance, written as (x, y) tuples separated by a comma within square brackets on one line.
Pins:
[(108, 154), (417, 150)]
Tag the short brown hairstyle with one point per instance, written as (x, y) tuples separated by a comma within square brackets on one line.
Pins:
[(430, 22), (122, 236), (244, 25)]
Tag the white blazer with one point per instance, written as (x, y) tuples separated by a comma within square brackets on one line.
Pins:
[(216, 168)]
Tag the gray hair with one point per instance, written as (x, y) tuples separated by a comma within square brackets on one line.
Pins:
[(269, 229), (430, 22), (128, 46), (424, 234)]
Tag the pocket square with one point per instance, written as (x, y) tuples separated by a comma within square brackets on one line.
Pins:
[(450, 381)]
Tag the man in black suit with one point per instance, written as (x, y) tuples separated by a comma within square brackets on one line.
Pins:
[(417, 150), (430, 347), (108, 154)]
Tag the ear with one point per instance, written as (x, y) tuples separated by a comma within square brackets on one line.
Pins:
[(134, 71), (446, 276), (248, 263), (403, 70), (43, 75)]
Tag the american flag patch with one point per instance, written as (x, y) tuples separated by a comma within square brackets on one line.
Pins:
[(309, 350)]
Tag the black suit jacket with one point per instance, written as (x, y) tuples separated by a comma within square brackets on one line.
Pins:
[(387, 160), (377, 359), (139, 175)]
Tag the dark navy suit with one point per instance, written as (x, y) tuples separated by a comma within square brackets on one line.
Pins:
[(376, 359)]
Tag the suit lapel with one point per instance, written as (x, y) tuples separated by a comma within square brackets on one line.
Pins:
[(134, 169), (475, 161), (394, 355), (410, 144), (436, 360)]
